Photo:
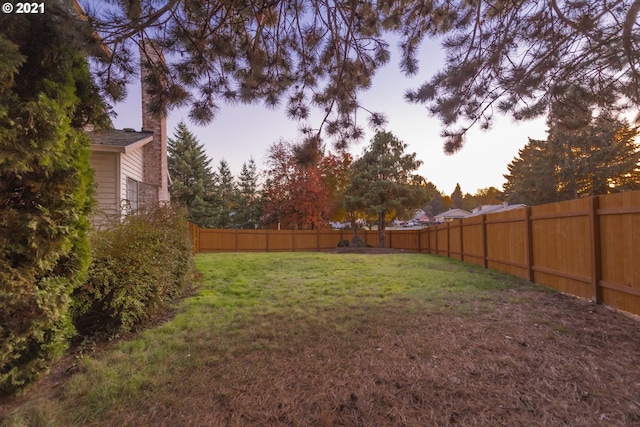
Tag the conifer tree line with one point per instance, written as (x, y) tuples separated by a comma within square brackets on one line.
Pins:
[(307, 187), (297, 190), (213, 197), (303, 190)]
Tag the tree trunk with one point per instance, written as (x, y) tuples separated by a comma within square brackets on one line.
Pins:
[(381, 236)]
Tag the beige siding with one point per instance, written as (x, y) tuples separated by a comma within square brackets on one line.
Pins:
[(105, 166), (130, 167)]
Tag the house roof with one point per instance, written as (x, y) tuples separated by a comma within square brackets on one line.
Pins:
[(487, 209), (454, 213), (118, 141)]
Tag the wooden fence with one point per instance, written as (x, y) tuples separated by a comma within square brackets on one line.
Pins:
[(587, 247), (233, 240)]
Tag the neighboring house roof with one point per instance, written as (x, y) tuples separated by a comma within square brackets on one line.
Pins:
[(487, 209), (119, 141), (453, 214)]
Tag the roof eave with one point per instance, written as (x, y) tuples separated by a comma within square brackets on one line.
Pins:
[(138, 144), (121, 149)]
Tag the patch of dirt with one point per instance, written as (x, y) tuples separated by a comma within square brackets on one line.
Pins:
[(527, 358), (369, 250)]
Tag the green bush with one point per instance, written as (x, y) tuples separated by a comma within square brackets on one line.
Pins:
[(45, 197), (138, 267)]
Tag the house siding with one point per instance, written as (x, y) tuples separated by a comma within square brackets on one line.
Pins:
[(105, 166), (131, 166)]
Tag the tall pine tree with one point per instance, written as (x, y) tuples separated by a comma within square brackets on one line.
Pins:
[(248, 204), (191, 176), (225, 196), (382, 180), (513, 57), (456, 197), (600, 158)]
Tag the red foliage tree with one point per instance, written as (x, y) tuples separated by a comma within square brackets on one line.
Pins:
[(334, 172), (295, 195)]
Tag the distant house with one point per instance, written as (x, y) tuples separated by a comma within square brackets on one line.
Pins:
[(420, 216), (488, 209), (131, 170), (452, 214)]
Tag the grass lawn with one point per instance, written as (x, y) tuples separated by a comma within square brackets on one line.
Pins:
[(319, 339)]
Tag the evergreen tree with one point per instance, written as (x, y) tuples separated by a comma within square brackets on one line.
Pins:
[(599, 158), (225, 196), (456, 197), (435, 206), (488, 196), (248, 212), (515, 57), (382, 180), (191, 177), (532, 177), (46, 95), (525, 59)]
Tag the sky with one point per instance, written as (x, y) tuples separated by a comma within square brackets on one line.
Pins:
[(239, 132)]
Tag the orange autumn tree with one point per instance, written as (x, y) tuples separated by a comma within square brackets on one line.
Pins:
[(295, 195), (334, 172)]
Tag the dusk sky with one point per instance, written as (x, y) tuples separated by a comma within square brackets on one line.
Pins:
[(239, 132)]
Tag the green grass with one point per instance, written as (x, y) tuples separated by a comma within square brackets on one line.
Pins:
[(261, 302)]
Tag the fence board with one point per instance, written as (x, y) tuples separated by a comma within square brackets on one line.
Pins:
[(620, 250), (455, 239), (562, 244), (404, 239), (251, 240), (216, 240), (473, 240), (506, 242)]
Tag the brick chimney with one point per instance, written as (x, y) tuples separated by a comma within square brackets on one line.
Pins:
[(155, 152)]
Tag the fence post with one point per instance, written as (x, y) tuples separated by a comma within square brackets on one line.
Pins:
[(596, 260), (267, 247), (528, 243), (449, 254), (485, 255), (461, 244), (429, 239), (236, 242), (196, 238)]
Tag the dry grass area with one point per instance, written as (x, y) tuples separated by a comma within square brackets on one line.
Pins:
[(546, 360), (515, 355)]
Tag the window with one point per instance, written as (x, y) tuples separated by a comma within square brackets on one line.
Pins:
[(132, 195)]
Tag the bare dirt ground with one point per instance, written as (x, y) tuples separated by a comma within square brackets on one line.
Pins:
[(369, 250), (543, 360), (516, 358)]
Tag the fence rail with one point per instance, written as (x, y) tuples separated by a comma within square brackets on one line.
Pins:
[(587, 247)]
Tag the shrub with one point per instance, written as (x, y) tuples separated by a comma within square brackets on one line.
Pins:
[(138, 267), (45, 197)]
